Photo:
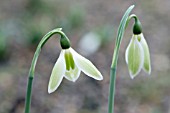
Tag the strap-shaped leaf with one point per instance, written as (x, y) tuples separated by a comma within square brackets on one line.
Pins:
[(119, 37), (120, 34)]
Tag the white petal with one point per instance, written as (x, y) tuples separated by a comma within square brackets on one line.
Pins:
[(86, 66), (134, 57), (72, 75), (127, 52), (147, 64), (57, 73)]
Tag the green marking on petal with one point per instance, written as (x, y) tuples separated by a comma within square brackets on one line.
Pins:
[(134, 57), (139, 38), (66, 55), (69, 60), (72, 75)]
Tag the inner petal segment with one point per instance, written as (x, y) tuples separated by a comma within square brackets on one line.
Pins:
[(69, 60)]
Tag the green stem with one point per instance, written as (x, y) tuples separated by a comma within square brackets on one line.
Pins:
[(33, 64), (112, 89), (28, 99), (130, 17), (124, 22)]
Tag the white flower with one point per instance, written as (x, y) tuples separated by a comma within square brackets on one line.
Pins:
[(69, 65), (137, 56)]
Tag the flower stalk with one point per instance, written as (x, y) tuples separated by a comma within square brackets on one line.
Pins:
[(137, 54), (69, 65), (65, 44), (123, 24)]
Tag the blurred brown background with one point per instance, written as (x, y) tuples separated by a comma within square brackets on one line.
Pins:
[(88, 23)]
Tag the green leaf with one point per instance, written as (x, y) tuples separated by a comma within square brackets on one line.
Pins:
[(120, 33)]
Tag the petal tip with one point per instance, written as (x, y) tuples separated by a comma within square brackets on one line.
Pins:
[(98, 77), (101, 78), (74, 80), (147, 71), (50, 91), (132, 77)]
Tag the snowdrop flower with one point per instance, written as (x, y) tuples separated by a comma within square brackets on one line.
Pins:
[(69, 65), (137, 55)]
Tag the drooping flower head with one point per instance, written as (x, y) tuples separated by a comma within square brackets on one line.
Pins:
[(137, 54), (69, 65)]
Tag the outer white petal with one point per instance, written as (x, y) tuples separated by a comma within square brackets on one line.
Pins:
[(134, 54), (72, 75), (86, 66), (127, 52), (147, 63), (57, 73)]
